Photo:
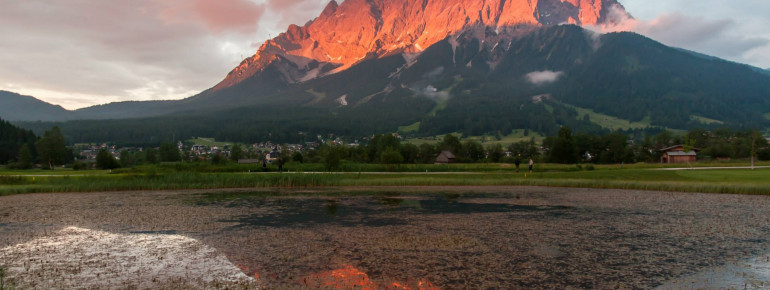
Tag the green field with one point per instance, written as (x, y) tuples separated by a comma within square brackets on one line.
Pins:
[(414, 128), (517, 135), (767, 116), (637, 176), (208, 142), (707, 121), (609, 122)]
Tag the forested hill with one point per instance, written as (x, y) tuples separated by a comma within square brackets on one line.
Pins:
[(11, 141), (15, 107)]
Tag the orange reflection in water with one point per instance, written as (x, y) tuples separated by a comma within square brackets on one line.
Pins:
[(349, 277)]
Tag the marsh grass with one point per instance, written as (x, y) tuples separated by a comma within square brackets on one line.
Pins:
[(12, 180), (197, 176)]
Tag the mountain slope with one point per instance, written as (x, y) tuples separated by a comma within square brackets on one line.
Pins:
[(470, 66), (356, 30), (15, 107), (477, 83)]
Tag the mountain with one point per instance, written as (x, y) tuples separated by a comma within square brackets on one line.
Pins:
[(475, 67), (15, 107), (358, 30)]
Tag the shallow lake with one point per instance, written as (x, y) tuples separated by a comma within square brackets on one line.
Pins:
[(449, 237)]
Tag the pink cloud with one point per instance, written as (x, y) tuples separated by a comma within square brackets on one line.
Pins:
[(216, 15)]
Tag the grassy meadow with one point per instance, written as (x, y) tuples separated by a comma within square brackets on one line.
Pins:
[(199, 176)]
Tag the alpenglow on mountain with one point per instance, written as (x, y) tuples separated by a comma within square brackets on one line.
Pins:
[(431, 67), (357, 30)]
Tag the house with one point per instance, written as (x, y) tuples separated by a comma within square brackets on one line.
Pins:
[(445, 157), (677, 154), (273, 156)]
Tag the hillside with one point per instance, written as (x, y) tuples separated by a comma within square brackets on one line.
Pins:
[(550, 77), (16, 107), (435, 66)]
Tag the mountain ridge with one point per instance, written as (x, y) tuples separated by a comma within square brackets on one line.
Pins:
[(17, 107), (333, 42), (480, 80), (535, 82)]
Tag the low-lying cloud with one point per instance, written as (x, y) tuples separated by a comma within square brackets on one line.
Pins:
[(714, 37), (543, 77)]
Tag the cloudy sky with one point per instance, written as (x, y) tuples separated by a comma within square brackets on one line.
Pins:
[(78, 53)]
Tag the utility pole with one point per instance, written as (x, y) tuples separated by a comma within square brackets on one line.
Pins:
[(753, 142)]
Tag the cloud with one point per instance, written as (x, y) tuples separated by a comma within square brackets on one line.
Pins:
[(299, 12), (714, 37), (543, 77), (106, 51), (218, 16)]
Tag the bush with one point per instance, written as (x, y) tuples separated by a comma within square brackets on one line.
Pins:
[(80, 166)]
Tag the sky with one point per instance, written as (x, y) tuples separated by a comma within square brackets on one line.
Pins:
[(79, 53)]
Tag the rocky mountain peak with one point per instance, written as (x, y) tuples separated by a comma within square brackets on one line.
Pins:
[(345, 34), (330, 8)]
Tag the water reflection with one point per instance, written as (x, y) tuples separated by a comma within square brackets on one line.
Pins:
[(372, 211)]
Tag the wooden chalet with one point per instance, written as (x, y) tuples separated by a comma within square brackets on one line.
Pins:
[(445, 157), (677, 154)]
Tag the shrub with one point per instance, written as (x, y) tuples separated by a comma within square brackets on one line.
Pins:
[(80, 166)]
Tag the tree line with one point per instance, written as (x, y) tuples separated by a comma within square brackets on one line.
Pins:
[(22, 149), (725, 143)]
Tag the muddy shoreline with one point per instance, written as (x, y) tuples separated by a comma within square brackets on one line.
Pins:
[(447, 237)]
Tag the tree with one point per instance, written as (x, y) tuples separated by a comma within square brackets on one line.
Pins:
[(615, 149), (51, 148), (25, 157), (151, 156), (236, 153), (563, 148), (472, 151), (391, 156), (169, 153), (127, 159), (379, 144), (427, 153), (218, 159), (105, 160), (297, 157), (496, 153), (333, 157), (410, 152), (451, 143)]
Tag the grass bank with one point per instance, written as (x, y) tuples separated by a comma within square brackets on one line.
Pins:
[(737, 181)]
